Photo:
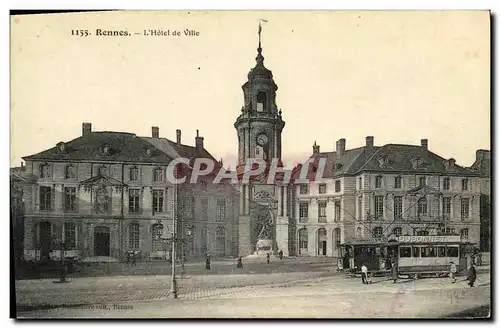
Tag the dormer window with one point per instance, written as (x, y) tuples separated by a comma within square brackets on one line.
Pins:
[(338, 166), (147, 151), (61, 146), (383, 161), (105, 149), (417, 162)]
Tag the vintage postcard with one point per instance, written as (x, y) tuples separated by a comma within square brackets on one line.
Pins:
[(251, 164)]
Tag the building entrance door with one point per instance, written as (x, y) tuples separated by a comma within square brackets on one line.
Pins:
[(45, 240), (101, 241)]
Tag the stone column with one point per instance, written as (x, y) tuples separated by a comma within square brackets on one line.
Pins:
[(244, 237)]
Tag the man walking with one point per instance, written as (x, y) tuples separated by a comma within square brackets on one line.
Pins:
[(453, 271), (471, 275), (268, 257), (394, 271), (364, 273)]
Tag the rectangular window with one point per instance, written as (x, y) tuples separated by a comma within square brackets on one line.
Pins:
[(134, 200), (378, 182), (422, 207), (421, 181), (134, 174), (133, 236), (69, 235), (322, 188), (379, 207), (446, 184), (398, 207), (304, 189), (45, 198), (69, 172), (360, 183), (70, 199), (337, 211), (158, 196), (465, 184), (158, 175), (452, 251), (45, 171), (337, 186), (221, 209), (428, 252), (322, 212), (404, 252), (303, 212), (204, 209), (464, 212), (441, 251), (446, 205), (416, 251), (397, 183)]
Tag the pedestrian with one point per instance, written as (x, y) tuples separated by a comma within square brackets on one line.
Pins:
[(207, 263), (471, 275), (394, 272), (453, 271), (239, 265), (364, 273), (281, 254), (268, 257)]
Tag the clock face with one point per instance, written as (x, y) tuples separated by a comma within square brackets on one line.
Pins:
[(262, 139)]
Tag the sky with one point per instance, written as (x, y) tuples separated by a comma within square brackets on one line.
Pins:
[(397, 76)]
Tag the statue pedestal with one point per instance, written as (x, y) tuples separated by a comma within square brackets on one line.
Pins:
[(263, 247)]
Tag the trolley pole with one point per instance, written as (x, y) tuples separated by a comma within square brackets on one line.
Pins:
[(173, 289)]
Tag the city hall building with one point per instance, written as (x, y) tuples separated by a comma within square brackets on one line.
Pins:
[(105, 193)]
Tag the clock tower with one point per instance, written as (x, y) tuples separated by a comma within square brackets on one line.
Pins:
[(259, 128)]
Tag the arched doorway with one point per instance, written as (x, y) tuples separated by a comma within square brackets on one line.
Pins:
[(45, 239), (220, 239), (303, 240), (321, 233), (101, 241)]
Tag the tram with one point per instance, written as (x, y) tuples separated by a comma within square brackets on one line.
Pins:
[(414, 256)]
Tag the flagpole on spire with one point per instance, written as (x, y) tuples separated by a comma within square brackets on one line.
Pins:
[(260, 31)]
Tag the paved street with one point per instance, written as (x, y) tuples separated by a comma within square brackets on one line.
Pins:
[(278, 294)]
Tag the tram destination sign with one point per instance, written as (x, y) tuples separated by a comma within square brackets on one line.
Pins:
[(429, 239)]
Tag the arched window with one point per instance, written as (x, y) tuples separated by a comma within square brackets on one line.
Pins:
[(321, 241), (220, 238), (133, 235), (45, 171), (261, 101), (158, 174), (358, 232), (102, 201), (378, 181), (134, 174), (336, 238), (303, 241), (378, 232), (157, 233), (397, 231)]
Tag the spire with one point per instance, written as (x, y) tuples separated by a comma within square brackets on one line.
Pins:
[(260, 58)]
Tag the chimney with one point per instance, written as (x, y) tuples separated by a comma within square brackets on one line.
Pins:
[(22, 166), (369, 143), (155, 132), (178, 137), (315, 148), (424, 144), (341, 147), (86, 128), (482, 154), (198, 141)]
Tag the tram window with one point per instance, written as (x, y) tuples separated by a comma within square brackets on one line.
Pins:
[(428, 251), (441, 251), (452, 251), (416, 251), (404, 252)]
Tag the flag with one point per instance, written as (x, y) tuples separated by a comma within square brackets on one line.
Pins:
[(260, 28), (264, 20)]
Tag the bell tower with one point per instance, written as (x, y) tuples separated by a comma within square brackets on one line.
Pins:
[(259, 127), (260, 124)]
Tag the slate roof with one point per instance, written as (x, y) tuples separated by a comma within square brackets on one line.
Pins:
[(387, 158), (172, 149)]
